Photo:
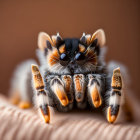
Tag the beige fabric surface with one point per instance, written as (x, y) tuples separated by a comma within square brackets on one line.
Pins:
[(17, 124)]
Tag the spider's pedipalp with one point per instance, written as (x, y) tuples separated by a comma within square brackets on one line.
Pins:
[(41, 94), (94, 90), (115, 96), (57, 86), (67, 79), (79, 87)]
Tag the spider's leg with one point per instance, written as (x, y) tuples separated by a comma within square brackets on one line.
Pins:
[(20, 90), (79, 87), (95, 87), (115, 96), (57, 86), (41, 94), (79, 90), (67, 79)]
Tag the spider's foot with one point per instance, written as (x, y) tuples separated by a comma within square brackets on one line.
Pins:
[(24, 104), (57, 87), (94, 91), (115, 96), (61, 94), (45, 112), (95, 96), (112, 113)]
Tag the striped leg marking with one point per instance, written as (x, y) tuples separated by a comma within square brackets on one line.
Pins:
[(67, 79), (94, 90), (41, 94), (115, 96), (80, 86), (57, 86)]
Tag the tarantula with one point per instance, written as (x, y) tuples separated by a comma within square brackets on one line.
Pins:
[(72, 72)]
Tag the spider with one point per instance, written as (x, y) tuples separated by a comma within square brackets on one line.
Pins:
[(72, 72)]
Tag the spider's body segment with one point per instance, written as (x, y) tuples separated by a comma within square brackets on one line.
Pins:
[(72, 71)]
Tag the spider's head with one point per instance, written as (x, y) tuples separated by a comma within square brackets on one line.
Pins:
[(71, 55)]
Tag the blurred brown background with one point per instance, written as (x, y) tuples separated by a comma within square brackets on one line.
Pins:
[(21, 21)]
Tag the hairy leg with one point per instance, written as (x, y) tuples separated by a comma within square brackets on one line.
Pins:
[(115, 96), (79, 87), (67, 80), (41, 97), (79, 90), (58, 88), (95, 89), (20, 91), (126, 104)]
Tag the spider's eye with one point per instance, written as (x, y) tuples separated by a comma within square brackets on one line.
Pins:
[(64, 59), (79, 56)]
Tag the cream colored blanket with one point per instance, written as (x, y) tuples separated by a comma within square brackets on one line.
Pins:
[(17, 124)]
